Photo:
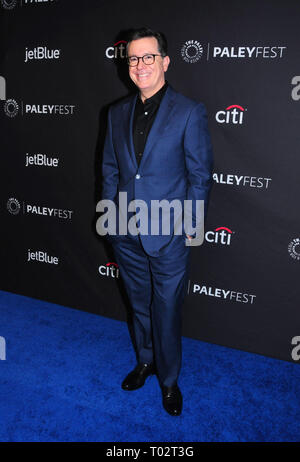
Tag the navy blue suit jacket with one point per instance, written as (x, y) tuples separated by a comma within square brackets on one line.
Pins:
[(177, 161)]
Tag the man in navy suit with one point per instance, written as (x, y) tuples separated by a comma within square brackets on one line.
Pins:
[(157, 147)]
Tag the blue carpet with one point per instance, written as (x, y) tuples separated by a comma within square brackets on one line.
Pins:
[(63, 369)]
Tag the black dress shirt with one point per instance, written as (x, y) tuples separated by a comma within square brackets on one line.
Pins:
[(144, 116)]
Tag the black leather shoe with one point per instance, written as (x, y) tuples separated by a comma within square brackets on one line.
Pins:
[(136, 378), (172, 399)]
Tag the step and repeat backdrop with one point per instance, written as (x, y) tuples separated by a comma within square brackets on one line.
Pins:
[(62, 64)]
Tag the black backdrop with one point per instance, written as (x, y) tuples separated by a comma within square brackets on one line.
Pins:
[(242, 60)]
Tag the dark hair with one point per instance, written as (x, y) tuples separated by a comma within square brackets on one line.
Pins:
[(142, 32)]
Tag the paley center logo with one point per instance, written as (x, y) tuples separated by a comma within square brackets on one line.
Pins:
[(294, 248), (117, 51), (10, 4), (233, 114), (192, 51), (110, 269), (14, 207), (192, 212)]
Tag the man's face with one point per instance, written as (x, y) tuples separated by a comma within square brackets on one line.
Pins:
[(148, 78)]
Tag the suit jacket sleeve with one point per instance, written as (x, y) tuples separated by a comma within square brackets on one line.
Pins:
[(198, 158)]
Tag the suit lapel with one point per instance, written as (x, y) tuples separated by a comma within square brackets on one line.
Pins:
[(128, 109)]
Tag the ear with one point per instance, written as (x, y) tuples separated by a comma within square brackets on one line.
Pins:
[(166, 62)]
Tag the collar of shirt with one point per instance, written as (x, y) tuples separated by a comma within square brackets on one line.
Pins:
[(154, 99)]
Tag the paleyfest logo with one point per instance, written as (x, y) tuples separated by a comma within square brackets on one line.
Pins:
[(192, 51), (14, 207)]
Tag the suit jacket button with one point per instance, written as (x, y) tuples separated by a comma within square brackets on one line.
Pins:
[(138, 176)]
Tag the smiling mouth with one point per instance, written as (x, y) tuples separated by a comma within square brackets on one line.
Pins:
[(142, 76)]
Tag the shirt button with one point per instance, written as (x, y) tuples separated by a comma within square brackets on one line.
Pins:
[(138, 176), (140, 154), (146, 113), (141, 133)]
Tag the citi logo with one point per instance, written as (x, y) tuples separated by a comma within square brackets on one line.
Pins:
[(221, 235), (111, 269), (41, 53), (233, 114), (118, 50)]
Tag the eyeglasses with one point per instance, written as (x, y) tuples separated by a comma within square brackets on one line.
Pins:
[(147, 59)]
